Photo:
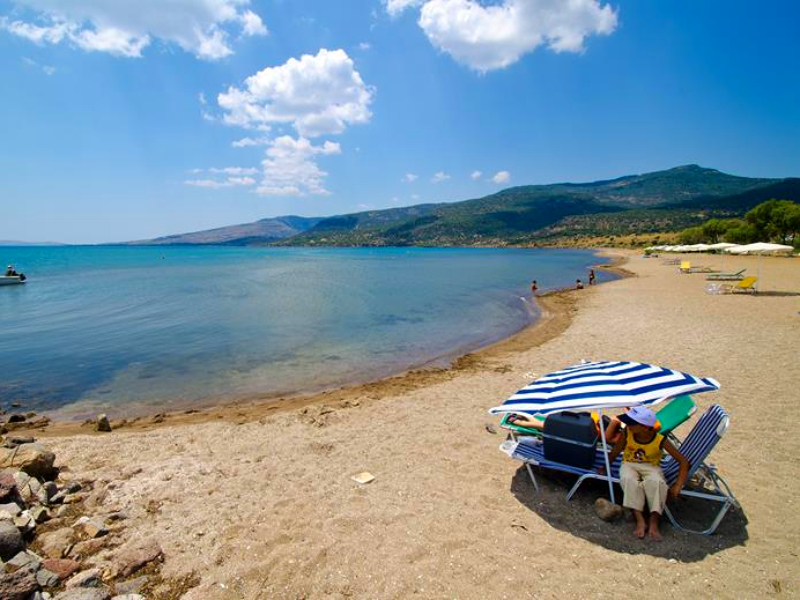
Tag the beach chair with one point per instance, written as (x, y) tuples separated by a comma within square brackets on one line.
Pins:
[(745, 286), (518, 431), (686, 268), (672, 414), (701, 440), (738, 276)]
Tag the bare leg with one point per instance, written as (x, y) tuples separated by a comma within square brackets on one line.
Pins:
[(655, 534), (641, 526)]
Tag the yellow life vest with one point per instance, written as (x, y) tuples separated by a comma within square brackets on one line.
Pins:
[(637, 452)]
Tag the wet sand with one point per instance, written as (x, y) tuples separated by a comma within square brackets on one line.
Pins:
[(258, 500)]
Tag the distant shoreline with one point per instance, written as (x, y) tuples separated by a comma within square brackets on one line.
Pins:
[(556, 310)]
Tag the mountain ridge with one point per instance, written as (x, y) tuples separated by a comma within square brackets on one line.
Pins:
[(666, 200)]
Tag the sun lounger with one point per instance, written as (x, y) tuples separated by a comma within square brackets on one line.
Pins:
[(517, 430), (745, 286), (738, 276), (701, 440), (687, 268), (672, 414)]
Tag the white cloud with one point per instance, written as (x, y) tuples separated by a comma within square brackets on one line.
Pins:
[(124, 28), (241, 180), (440, 176), (201, 97), (291, 170), (414, 197), (317, 95), (252, 24), (395, 7), (364, 46), (234, 170), (501, 177), (47, 70), (247, 142), (364, 206), (492, 36), (410, 177), (475, 175), (236, 176), (216, 183)]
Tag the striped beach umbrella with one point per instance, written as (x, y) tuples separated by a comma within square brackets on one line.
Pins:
[(604, 384)]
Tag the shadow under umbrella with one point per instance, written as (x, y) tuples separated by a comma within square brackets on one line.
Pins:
[(578, 517)]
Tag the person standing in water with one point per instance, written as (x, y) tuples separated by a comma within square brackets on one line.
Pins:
[(534, 287), (591, 277)]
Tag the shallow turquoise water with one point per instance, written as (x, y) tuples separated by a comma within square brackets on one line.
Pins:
[(127, 329)]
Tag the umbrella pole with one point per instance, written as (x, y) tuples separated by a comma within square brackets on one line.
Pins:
[(605, 457)]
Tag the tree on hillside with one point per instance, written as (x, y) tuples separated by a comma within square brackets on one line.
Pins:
[(715, 229), (776, 220)]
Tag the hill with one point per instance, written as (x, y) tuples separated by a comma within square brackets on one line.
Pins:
[(546, 213), (662, 201), (263, 231)]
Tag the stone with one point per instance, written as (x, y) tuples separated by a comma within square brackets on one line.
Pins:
[(9, 510), (129, 597), (135, 556), (34, 459), (19, 585), (40, 513), (102, 424), (50, 488), (29, 488), (132, 586), (25, 559), (95, 527), (608, 511), (24, 522), (15, 418), (10, 541), (88, 578), (56, 544), (100, 593), (74, 498), (63, 567), (88, 547), (12, 441), (8, 486), (47, 578)]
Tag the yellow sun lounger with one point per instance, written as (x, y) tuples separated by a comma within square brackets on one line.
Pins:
[(686, 267), (745, 286)]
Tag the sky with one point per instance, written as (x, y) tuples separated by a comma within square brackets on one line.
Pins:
[(130, 120)]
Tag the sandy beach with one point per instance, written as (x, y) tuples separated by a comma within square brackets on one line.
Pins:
[(257, 502)]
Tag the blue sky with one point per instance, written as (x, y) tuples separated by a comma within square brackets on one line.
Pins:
[(118, 124)]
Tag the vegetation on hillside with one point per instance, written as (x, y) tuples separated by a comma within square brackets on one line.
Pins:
[(773, 220)]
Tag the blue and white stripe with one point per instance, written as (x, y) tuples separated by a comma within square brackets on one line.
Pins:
[(604, 384)]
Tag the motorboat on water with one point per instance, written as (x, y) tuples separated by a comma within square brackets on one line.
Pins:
[(11, 279)]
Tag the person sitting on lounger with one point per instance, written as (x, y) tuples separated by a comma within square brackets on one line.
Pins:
[(641, 476), (612, 425)]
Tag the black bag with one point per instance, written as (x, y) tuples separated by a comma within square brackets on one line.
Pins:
[(570, 439)]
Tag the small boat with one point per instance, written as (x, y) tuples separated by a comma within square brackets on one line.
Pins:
[(11, 279)]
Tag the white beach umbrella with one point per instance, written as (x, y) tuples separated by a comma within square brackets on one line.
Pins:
[(761, 248), (758, 249), (702, 247), (722, 246)]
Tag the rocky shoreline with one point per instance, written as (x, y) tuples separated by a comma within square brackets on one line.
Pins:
[(60, 540)]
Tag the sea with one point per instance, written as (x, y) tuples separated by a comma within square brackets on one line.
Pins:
[(131, 330)]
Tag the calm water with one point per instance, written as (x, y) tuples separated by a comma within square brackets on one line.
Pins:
[(129, 329)]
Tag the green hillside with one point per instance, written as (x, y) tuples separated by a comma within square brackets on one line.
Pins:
[(662, 201)]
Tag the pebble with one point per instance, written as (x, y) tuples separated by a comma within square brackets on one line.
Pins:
[(10, 540), (84, 579)]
